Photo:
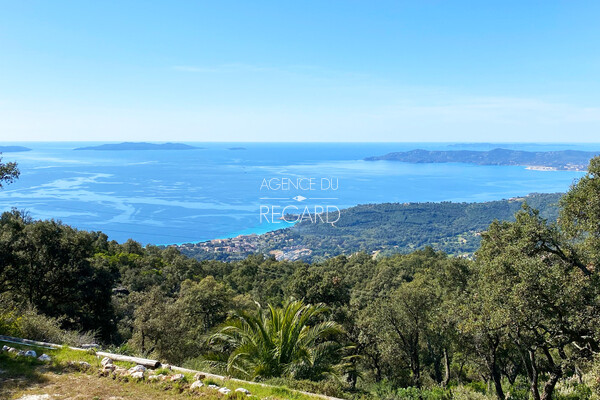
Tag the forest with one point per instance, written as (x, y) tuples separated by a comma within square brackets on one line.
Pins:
[(517, 321)]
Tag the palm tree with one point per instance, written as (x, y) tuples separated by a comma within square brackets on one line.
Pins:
[(292, 341)]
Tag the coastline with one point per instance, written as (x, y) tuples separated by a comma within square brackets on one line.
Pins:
[(254, 231)]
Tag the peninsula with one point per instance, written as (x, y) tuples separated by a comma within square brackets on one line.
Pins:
[(568, 160)]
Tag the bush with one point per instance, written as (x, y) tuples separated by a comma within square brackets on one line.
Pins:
[(385, 391), (464, 393), (29, 324), (329, 387), (9, 324), (571, 389)]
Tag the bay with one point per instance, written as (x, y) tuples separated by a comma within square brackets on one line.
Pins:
[(170, 196)]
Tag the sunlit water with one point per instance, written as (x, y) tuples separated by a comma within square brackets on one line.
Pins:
[(184, 196)]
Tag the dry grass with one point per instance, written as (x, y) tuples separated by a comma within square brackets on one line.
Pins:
[(61, 379), (87, 386)]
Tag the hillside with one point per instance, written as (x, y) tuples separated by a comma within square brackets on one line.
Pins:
[(379, 228), (558, 160)]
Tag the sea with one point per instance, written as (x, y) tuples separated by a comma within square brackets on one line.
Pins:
[(223, 190)]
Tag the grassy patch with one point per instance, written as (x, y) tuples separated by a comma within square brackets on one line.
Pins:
[(64, 377)]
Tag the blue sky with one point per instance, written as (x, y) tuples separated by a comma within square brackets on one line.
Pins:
[(300, 71)]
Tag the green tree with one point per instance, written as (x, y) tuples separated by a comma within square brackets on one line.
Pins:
[(50, 266), (532, 294), (580, 220), (293, 341), (8, 172)]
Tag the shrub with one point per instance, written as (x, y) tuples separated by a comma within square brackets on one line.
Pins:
[(29, 324)]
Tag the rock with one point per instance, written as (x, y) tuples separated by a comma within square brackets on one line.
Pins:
[(137, 368), (21, 353), (121, 371), (196, 385), (242, 390), (84, 365), (12, 350), (31, 353), (166, 366), (106, 361), (90, 346), (138, 375), (160, 377), (44, 357), (224, 390), (199, 376), (109, 367), (213, 386), (5, 348), (177, 377)]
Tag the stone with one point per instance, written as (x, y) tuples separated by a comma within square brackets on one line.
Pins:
[(137, 368), (166, 366), (138, 375), (213, 386), (21, 353), (224, 390), (106, 361), (84, 365), (109, 367), (44, 357), (177, 377), (5, 348), (153, 378), (199, 376), (242, 390), (120, 371), (31, 353), (12, 350), (196, 385)]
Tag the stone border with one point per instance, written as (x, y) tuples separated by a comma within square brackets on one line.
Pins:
[(152, 364)]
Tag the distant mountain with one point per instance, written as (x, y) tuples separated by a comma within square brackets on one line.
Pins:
[(139, 146), (572, 160), (13, 149)]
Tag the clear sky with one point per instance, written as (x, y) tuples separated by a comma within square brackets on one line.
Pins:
[(322, 70)]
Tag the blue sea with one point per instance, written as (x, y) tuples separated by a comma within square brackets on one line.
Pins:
[(165, 197)]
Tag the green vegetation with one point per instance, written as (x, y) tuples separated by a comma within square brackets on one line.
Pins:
[(385, 229), (518, 321), (564, 160), (8, 172), (67, 375), (288, 341)]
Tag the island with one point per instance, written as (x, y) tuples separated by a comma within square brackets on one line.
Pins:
[(13, 149), (567, 160), (139, 146)]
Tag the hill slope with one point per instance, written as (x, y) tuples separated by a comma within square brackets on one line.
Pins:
[(379, 228), (560, 160)]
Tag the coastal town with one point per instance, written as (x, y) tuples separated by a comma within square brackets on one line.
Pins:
[(243, 245)]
